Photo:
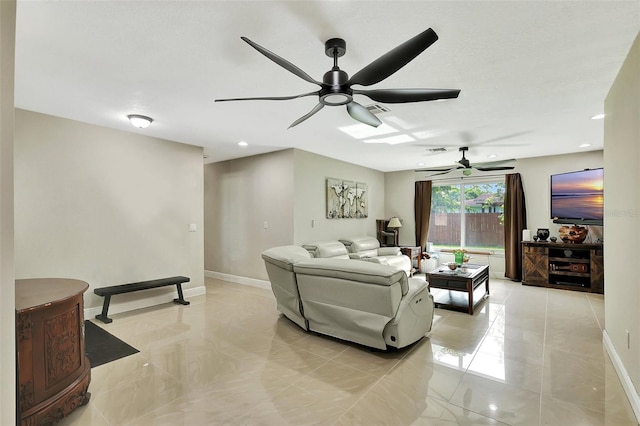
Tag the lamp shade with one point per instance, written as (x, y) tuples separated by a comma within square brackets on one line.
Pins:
[(394, 222)]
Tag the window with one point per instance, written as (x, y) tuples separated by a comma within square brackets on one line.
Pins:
[(469, 215)]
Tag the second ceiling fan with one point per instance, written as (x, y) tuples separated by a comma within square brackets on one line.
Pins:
[(336, 90), (466, 165)]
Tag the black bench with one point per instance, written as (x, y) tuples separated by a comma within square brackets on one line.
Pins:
[(107, 292)]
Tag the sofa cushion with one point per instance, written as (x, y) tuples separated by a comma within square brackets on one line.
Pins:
[(389, 251), (327, 249), (360, 244), (285, 256)]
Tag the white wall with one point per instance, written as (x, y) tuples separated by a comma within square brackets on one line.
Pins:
[(311, 172), (240, 196), (622, 224), (105, 206), (7, 283)]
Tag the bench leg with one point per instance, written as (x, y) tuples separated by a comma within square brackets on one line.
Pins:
[(180, 300), (105, 308)]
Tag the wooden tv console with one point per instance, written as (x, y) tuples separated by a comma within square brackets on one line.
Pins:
[(565, 266)]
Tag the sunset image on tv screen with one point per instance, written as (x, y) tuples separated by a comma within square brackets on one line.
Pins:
[(578, 195)]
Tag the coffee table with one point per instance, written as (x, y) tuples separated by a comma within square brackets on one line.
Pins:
[(458, 282)]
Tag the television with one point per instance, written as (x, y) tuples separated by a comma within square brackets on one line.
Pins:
[(578, 197)]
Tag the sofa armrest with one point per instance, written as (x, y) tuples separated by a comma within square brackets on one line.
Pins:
[(389, 251)]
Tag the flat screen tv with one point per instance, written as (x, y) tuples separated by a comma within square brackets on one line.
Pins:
[(578, 197)]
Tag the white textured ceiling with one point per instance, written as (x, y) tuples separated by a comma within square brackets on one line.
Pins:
[(531, 73)]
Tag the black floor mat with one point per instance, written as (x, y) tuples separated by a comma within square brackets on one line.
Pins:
[(102, 347)]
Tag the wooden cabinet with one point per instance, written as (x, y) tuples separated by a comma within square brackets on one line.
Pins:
[(52, 368), (560, 265)]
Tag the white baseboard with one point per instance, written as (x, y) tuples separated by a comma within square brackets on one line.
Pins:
[(238, 279), (116, 307), (627, 384)]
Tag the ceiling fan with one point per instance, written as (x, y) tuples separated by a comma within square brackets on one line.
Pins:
[(335, 88), (466, 165)]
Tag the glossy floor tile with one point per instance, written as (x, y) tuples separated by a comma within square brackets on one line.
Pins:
[(528, 356)]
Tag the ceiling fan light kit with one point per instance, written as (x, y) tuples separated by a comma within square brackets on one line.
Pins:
[(336, 90)]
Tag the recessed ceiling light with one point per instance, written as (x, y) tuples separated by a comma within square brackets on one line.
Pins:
[(243, 143), (140, 121), (492, 156), (598, 117), (420, 164), (584, 145)]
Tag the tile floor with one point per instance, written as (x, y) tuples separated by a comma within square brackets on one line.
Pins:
[(529, 356)]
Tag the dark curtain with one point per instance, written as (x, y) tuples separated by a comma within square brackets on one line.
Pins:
[(515, 220), (422, 209)]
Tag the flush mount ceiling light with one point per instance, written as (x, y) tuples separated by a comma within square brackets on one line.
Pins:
[(140, 121), (243, 143)]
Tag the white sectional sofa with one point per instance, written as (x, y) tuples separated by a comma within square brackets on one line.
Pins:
[(368, 303)]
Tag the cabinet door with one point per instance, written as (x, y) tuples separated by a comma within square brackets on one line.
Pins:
[(597, 271), (535, 265)]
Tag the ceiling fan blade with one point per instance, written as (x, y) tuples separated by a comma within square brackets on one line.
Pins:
[(441, 173), (492, 169), (315, 109), (408, 95), (282, 62), (437, 169), (494, 163), (363, 115), (395, 59), (270, 98)]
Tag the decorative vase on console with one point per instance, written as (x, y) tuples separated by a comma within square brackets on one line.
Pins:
[(573, 234), (543, 234)]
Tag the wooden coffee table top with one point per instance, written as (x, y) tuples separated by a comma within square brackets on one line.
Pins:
[(472, 270)]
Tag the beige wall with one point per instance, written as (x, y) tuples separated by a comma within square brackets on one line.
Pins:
[(295, 212), (240, 196), (622, 220), (7, 287), (399, 193), (311, 172), (287, 190), (105, 206)]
